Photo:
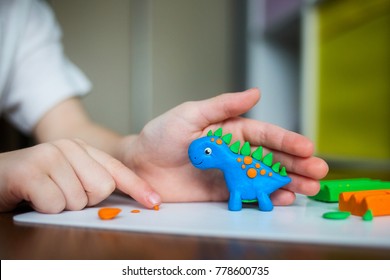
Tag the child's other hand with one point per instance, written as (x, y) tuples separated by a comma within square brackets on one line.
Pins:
[(66, 175), (159, 154)]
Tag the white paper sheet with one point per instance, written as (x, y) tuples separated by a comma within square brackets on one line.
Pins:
[(300, 222)]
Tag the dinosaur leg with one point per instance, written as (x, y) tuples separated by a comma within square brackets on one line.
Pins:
[(235, 203), (265, 203)]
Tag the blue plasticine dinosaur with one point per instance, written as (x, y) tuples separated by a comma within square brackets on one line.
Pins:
[(249, 177)]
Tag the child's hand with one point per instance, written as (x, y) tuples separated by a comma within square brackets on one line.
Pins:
[(159, 154), (66, 174)]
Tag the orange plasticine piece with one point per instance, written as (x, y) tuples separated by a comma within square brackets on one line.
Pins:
[(358, 203), (108, 213), (156, 207), (135, 211)]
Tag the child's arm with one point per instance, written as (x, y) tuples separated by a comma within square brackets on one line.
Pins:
[(67, 173)]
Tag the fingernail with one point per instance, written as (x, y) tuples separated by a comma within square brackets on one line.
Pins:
[(252, 89), (154, 199)]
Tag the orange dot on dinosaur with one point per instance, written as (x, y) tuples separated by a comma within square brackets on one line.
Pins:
[(262, 172), (270, 174), (247, 160), (257, 165), (251, 173), (239, 159), (219, 141), (212, 139)]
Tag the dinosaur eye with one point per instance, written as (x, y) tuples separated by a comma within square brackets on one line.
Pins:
[(208, 151)]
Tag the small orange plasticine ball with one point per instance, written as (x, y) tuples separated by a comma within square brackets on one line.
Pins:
[(156, 207), (135, 211), (108, 213)]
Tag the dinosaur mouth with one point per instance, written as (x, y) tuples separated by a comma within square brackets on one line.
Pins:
[(198, 163)]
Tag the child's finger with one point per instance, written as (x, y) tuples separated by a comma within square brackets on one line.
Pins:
[(276, 138), (47, 173), (126, 180), (282, 197), (299, 184), (303, 185), (97, 183), (310, 167), (222, 107), (45, 196), (313, 167), (63, 175), (293, 150)]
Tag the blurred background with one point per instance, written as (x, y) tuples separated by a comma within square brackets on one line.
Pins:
[(146, 56), (323, 66)]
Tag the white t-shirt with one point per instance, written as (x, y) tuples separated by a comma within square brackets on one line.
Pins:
[(35, 75)]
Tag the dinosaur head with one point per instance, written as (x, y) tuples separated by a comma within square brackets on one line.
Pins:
[(207, 152)]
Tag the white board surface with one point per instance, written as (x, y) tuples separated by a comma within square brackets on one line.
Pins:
[(301, 222)]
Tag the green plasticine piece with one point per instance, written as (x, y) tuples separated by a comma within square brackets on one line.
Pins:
[(235, 147), (330, 190), (258, 153), (283, 172), (337, 215), (210, 133), (249, 200), (218, 132), (227, 138), (368, 216), (246, 149), (276, 167), (267, 160)]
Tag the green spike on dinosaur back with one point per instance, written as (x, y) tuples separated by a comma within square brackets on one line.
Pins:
[(267, 160), (227, 138), (235, 147), (258, 153), (276, 167), (218, 132), (246, 149)]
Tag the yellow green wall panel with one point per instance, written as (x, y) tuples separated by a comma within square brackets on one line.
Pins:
[(354, 79)]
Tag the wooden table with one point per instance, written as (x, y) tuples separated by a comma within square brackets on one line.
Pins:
[(55, 242)]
